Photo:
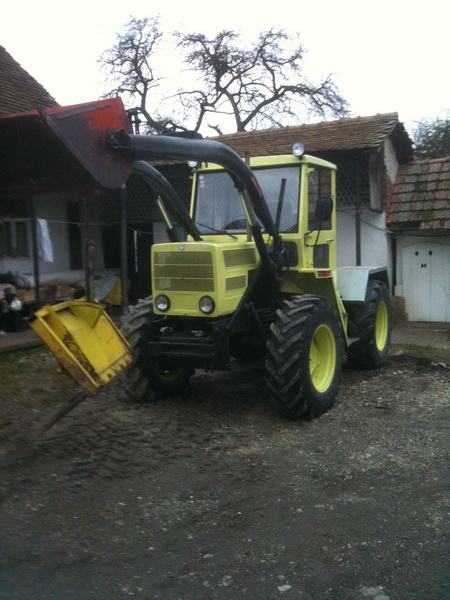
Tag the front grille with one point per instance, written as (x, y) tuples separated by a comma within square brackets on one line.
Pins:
[(183, 258), (183, 271), (235, 283), (238, 258)]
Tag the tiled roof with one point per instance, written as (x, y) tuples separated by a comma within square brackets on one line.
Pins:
[(421, 196), (345, 134), (19, 92)]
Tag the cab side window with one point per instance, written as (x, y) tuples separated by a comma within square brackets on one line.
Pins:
[(319, 184)]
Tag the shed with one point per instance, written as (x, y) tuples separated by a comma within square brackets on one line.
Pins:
[(419, 214)]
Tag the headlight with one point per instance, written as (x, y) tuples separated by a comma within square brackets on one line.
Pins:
[(206, 304), (15, 305), (298, 149), (162, 303)]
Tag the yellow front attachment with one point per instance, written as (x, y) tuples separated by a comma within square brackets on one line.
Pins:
[(84, 340)]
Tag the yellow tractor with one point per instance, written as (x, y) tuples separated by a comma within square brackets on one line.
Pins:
[(255, 275), (259, 282)]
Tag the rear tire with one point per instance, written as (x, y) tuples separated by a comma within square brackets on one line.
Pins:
[(372, 324), (144, 375), (304, 356)]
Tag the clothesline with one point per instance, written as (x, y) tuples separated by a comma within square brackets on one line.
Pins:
[(348, 210)]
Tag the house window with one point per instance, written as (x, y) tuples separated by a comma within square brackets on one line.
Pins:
[(14, 238)]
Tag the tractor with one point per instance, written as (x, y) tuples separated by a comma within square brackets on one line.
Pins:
[(255, 274), (257, 277)]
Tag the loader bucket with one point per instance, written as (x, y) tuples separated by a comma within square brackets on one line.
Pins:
[(85, 342), (63, 148)]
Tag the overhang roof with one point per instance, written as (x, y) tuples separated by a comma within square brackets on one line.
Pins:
[(19, 91), (421, 196), (360, 133)]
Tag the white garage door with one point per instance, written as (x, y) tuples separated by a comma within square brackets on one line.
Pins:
[(426, 286)]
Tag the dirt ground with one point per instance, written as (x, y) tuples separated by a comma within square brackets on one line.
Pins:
[(213, 494)]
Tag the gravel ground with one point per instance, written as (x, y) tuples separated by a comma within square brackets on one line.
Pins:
[(213, 494)]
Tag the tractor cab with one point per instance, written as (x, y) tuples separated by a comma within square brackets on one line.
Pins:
[(208, 278)]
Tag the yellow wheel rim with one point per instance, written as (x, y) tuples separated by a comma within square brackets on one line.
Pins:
[(381, 326), (322, 358)]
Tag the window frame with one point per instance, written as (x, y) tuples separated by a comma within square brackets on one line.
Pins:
[(328, 226), (11, 223), (298, 166)]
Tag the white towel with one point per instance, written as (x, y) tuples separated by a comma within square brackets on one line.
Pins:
[(45, 248)]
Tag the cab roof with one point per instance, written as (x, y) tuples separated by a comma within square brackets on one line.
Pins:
[(275, 161)]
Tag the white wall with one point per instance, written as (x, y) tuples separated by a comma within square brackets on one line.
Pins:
[(375, 240), (93, 232), (53, 208), (390, 160)]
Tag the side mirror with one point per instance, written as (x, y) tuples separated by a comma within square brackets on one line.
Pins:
[(324, 209)]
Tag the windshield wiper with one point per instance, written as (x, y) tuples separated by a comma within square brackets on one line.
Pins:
[(217, 230)]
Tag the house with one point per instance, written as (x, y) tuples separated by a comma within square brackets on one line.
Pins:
[(73, 220), (20, 92), (419, 216)]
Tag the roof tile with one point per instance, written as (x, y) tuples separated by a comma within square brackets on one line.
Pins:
[(344, 134), (19, 91), (420, 197)]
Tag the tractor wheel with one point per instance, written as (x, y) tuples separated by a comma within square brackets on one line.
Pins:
[(144, 375), (372, 325), (304, 356)]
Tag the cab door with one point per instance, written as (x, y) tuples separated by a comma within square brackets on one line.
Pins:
[(320, 245)]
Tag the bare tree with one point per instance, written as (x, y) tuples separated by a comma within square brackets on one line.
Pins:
[(128, 66), (258, 86), (432, 138)]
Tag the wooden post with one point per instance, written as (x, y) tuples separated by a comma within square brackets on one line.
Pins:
[(358, 216), (35, 252), (124, 248), (89, 263)]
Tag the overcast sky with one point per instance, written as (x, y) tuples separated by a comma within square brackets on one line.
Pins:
[(385, 55)]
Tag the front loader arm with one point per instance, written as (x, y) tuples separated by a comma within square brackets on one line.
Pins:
[(91, 145), (159, 184), (175, 148)]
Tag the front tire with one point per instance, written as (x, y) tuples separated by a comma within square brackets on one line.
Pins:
[(304, 356), (372, 324), (144, 375)]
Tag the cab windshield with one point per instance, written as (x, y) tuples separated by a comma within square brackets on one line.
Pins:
[(218, 205)]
